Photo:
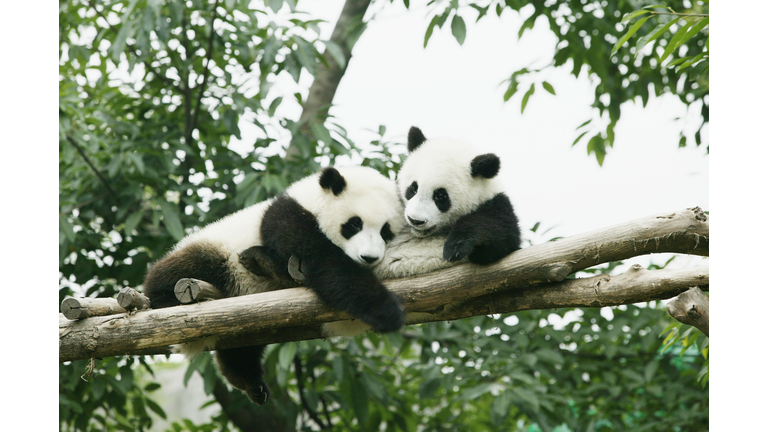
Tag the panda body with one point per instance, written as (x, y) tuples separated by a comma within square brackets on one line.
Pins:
[(336, 222), (456, 211)]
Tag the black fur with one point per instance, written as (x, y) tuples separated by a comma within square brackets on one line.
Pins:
[(386, 233), (198, 260), (288, 229), (486, 165), (441, 199), (242, 368), (415, 138), (411, 191), (351, 227), (331, 179), (487, 235)]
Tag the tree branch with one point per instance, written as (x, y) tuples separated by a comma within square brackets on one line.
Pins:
[(692, 308), (327, 80), (453, 293), (206, 72), (88, 162)]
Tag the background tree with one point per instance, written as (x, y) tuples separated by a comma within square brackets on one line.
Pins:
[(151, 94)]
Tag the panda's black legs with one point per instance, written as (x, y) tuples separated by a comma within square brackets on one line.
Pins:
[(200, 261), (487, 235), (261, 261), (354, 289), (242, 368)]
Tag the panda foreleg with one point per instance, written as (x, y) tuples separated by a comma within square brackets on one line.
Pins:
[(343, 284), (242, 368), (262, 261), (486, 235)]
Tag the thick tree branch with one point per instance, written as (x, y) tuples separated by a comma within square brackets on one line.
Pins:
[(692, 308), (469, 290)]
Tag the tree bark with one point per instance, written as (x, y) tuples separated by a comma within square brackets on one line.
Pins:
[(327, 80), (692, 308), (294, 314)]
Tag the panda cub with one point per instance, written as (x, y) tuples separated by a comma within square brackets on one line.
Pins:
[(456, 209), (336, 223)]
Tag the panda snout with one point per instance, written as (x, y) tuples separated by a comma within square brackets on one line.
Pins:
[(416, 222), (369, 259)]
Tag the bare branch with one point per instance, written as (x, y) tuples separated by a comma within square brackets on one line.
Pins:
[(692, 308)]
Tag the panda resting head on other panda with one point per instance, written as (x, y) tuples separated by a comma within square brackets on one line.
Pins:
[(336, 223)]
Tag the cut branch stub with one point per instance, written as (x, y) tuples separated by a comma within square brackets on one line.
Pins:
[(81, 308), (190, 290), (692, 308), (131, 299)]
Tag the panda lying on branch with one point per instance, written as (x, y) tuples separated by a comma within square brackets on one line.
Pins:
[(337, 224)]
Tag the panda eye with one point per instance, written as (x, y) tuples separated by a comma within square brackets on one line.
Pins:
[(411, 191), (351, 227), (441, 199), (386, 233)]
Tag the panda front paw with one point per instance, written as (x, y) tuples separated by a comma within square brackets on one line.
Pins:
[(389, 316), (456, 248)]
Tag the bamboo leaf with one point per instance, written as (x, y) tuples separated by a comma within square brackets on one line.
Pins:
[(459, 29), (525, 98), (632, 30), (653, 35), (548, 87), (674, 42), (634, 14)]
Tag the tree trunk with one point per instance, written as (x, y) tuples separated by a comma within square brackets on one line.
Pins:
[(327, 80), (295, 314)]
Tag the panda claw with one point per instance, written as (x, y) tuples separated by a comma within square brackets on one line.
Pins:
[(455, 250)]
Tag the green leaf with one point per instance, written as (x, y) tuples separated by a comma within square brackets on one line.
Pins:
[(275, 5), (132, 221), (286, 354), (525, 98), (273, 106), (171, 219), (475, 392), (634, 14), (673, 43), (653, 35), (430, 29), (321, 133), (682, 37), (548, 87), (632, 30), (335, 51), (66, 228), (459, 29)]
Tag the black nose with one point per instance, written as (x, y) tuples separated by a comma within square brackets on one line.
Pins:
[(369, 259), (415, 222)]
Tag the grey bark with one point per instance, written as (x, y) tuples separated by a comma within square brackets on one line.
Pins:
[(692, 308)]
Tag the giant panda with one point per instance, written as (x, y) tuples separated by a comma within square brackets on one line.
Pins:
[(456, 211), (336, 222)]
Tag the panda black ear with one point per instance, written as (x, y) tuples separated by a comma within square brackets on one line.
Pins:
[(331, 179), (415, 138), (486, 165)]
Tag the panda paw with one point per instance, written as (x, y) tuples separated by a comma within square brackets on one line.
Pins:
[(456, 248), (258, 392), (388, 316)]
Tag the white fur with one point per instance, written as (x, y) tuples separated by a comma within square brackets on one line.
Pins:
[(443, 163)]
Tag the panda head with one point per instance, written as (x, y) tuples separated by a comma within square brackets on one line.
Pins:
[(357, 208), (443, 180)]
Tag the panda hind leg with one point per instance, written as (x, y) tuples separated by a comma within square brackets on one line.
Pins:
[(262, 261), (242, 368)]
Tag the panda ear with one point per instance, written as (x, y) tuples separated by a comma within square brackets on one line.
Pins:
[(486, 165), (415, 138), (331, 179)]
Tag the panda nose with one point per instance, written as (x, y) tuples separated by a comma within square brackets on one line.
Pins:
[(415, 221), (369, 259)]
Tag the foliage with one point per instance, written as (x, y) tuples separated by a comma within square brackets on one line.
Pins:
[(151, 106), (592, 36)]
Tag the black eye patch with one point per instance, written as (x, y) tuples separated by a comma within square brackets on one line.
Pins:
[(386, 233), (441, 199), (411, 191), (351, 227)]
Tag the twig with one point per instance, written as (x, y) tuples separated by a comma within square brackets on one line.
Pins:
[(88, 162), (299, 380)]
